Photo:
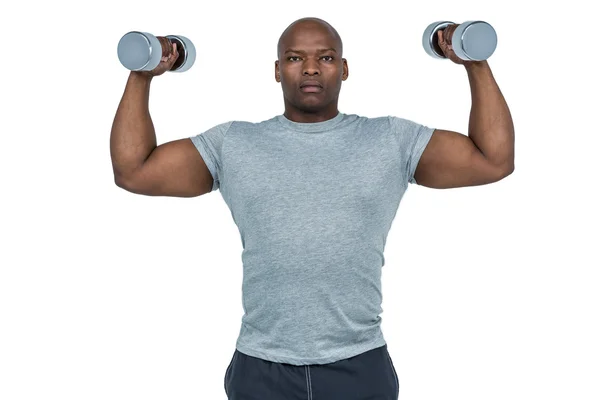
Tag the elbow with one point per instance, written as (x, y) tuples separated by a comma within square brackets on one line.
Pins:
[(126, 187), (506, 170), (511, 170), (510, 167), (119, 180), (122, 182), (500, 172)]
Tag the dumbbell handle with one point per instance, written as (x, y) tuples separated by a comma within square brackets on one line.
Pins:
[(166, 45)]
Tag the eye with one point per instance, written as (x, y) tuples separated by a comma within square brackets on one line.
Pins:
[(298, 57)]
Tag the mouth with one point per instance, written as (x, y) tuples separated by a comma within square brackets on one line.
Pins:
[(311, 89)]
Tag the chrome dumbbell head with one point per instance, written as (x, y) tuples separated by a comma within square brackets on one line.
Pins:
[(139, 51), (187, 53), (430, 40), (471, 40), (477, 40), (142, 51)]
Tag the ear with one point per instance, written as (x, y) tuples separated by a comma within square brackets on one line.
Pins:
[(277, 74), (346, 72)]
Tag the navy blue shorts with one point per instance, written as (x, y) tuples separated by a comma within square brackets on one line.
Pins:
[(367, 376)]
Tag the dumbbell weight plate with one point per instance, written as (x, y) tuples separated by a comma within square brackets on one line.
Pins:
[(139, 51), (187, 53), (430, 40), (474, 40)]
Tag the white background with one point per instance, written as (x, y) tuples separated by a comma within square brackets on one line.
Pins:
[(490, 292)]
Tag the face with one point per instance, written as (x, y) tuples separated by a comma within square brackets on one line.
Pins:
[(310, 52)]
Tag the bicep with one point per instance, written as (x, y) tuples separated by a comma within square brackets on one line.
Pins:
[(451, 160), (173, 169)]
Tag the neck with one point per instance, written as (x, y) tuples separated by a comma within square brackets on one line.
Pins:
[(304, 116)]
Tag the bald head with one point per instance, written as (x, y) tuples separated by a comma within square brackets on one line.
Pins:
[(310, 49), (309, 23)]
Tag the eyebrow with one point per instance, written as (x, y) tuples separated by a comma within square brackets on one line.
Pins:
[(303, 52)]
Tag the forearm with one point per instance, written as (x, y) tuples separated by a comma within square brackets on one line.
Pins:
[(490, 123), (132, 137)]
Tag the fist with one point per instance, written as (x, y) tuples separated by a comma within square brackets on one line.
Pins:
[(445, 43), (168, 59)]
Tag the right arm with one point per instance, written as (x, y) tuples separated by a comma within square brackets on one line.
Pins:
[(140, 166)]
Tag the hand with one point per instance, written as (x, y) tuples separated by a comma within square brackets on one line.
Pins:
[(444, 40), (166, 62)]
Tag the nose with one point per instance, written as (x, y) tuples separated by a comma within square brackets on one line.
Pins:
[(310, 68)]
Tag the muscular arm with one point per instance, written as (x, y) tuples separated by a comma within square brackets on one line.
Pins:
[(486, 155), (132, 136), (490, 123), (140, 166)]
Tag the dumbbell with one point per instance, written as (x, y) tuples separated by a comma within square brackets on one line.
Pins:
[(142, 51), (471, 40)]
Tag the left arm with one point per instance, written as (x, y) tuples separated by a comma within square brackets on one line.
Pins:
[(486, 155)]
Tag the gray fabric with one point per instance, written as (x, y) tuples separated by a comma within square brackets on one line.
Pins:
[(314, 203)]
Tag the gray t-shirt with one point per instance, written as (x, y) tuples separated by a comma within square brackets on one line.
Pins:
[(314, 203)]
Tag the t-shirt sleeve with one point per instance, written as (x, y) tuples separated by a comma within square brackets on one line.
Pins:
[(413, 138), (209, 144)]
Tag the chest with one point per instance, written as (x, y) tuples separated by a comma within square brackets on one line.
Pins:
[(352, 168)]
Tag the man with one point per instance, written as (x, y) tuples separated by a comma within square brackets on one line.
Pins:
[(313, 192)]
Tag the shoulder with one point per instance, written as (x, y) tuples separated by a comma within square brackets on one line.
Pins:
[(249, 126), (392, 124), (387, 121)]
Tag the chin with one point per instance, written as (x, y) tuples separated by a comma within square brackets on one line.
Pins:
[(312, 108), (312, 104)]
